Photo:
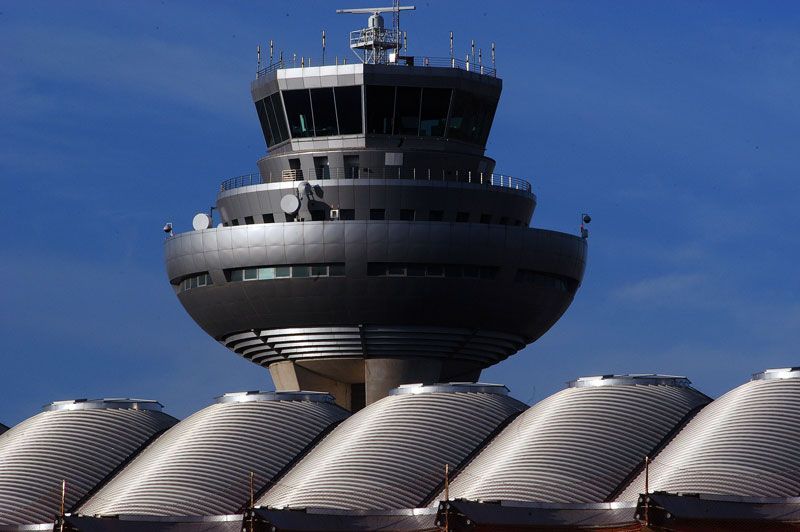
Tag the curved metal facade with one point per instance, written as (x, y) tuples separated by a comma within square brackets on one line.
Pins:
[(392, 453), (579, 444), (81, 442), (745, 443), (202, 465)]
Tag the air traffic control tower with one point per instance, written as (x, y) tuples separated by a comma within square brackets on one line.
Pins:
[(377, 245)]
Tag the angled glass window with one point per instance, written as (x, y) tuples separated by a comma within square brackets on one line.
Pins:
[(380, 109), (348, 109), (277, 106), (406, 111), (298, 111), (324, 112), (263, 118), (470, 118), (433, 114), (283, 271)]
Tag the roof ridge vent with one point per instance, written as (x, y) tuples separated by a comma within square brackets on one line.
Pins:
[(776, 373), (630, 379), (107, 403), (259, 395), (449, 387)]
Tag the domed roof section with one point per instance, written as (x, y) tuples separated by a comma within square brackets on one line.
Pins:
[(743, 444), (79, 441), (392, 453), (579, 444), (202, 465)]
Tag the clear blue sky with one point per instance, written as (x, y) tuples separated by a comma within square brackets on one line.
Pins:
[(675, 124)]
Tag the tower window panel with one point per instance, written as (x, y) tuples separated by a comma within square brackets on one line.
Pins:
[(488, 272), (263, 119), (434, 270), (406, 114), (237, 275), (268, 218), (472, 272), (452, 270), (470, 118), (375, 269), (235, 221), (348, 109), (283, 271), (415, 270), (249, 220), (251, 274), (336, 269), (273, 120), (324, 112), (277, 105), (351, 163), (433, 115), (266, 273), (347, 214), (317, 215), (300, 271), (380, 109), (462, 217), (377, 214), (318, 270), (298, 111), (436, 216), (396, 270), (407, 215), (486, 218)]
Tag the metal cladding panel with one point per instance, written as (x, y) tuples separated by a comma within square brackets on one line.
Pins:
[(392, 453), (80, 446), (202, 465), (744, 444), (577, 445)]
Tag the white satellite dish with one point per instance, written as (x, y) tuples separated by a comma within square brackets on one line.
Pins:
[(290, 204), (201, 221)]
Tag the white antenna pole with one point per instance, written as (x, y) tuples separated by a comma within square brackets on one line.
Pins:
[(271, 50), (323, 47), (452, 61), (405, 41), (472, 49), (493, 65), (258, 58)]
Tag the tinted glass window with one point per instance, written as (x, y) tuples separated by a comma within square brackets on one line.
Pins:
[(380, 109), (433, 116), (470, 118), (277, 105), (348, 108), (298, 110), (264, 120), (406, 115), (324, 112), (273, 120)]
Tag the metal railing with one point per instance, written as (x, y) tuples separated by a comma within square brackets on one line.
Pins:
[(382, 172), (420, 61)]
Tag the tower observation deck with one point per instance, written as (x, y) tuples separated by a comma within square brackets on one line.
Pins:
[(377, 245)]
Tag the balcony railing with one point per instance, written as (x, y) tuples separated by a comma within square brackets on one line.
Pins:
[(468, 65), (382, 172)]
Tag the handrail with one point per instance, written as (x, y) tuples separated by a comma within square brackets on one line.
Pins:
[(420, 61), (382, 172)]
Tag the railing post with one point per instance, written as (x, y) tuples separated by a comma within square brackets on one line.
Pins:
[(469, 177)]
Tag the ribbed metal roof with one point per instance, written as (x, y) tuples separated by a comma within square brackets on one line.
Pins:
[(80, 446), (392, 453), (745, 444), (202, 465), (579, 444)]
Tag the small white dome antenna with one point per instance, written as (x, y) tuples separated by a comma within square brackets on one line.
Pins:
[(372, 44)]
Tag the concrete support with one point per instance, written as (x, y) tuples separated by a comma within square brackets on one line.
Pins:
[(383, 374), (289, 377)]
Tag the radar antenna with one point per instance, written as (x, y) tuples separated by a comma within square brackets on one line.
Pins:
[(373, 43)]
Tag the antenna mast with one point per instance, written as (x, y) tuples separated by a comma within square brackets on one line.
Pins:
[(373, 43)]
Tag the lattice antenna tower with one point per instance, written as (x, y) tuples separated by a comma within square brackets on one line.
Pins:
[(373, 43)]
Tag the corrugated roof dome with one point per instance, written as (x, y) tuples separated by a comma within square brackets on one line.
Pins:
[(202, 465), (392, 453), (743, 444), (79, 441), (579, 444)]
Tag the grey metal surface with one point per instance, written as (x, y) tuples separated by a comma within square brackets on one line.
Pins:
[(577, 445), (392, 453), (80, 446), (745, 443), (202, 465), (122, 403), (511, 205), (220, 523)]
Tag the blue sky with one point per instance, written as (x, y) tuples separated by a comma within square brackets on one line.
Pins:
[(675, 124)]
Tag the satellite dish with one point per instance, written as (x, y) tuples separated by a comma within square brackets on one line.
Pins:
[(290, 204), (201, 221)]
